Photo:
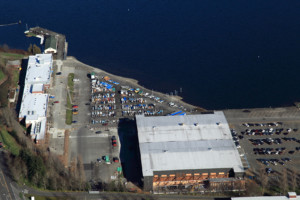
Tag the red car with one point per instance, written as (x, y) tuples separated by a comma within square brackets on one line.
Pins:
[(56, 102), (115, 159), (114, 141), (74, 106)]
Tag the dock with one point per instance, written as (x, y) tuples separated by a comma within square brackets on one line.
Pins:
[(60, 48)]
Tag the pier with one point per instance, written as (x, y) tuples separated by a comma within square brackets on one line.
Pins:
[(58, 45)]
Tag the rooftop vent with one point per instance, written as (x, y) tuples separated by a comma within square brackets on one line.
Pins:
[(292, 195)]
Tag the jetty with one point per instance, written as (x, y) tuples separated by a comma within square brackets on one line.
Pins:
[(54, 43)]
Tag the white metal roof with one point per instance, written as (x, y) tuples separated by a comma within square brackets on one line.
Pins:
[(33, 105), (39, 69), (186, 142), (37, 88), (183, 128), (38, 128), (266, 198)]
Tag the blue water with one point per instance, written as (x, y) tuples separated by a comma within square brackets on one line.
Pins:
[(224, 54)]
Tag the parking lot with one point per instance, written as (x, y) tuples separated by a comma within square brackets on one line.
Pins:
[(111, 100), (98, 104), (267, 138)]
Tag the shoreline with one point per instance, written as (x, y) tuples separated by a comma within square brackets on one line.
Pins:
[(134, 83)]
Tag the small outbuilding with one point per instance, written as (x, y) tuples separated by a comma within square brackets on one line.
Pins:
[(50, 44)]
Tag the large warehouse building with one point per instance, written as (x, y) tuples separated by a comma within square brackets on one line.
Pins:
[(191, 152), (35, 99)]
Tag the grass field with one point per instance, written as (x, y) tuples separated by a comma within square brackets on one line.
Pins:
[(11, 55), (9, 142), (71, 84), (15, 77), (69, 114)]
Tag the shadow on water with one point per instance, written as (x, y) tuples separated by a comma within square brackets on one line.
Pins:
[(130, 153), (21, 83)]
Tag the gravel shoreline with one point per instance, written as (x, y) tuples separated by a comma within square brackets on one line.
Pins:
[(133, 83)]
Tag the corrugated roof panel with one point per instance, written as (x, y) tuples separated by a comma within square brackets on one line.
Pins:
[(176, 143)]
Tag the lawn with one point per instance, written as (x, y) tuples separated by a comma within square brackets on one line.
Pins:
[(71, 84), (69, 114), (9, 142), (15, 77), (11, 55)]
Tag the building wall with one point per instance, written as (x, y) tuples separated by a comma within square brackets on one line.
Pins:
[(192, 171), (185, 177), (50, 50), (148, 183)]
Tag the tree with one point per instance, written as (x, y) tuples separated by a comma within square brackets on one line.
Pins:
[(36, 49), (284, 181), (264, 179), (80, 170), (30, 49), (294, 175)]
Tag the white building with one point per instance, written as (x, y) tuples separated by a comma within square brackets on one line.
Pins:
[(35, 101), (290, 196), (197, 146), (50, 44), (39, 70)]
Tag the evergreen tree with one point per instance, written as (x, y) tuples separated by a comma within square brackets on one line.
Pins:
[(36, 49), (30, 49)]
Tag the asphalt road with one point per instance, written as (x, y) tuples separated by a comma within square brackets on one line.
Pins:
[(6, 191)]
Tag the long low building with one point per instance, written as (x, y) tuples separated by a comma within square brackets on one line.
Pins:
[(194, 151), (290, 196), (35, 100)]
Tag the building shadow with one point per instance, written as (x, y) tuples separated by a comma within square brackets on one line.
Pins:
[(130, 151), (21, 84)]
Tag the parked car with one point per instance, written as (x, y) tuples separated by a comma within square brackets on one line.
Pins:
[(58, 73), (115, 159), (56, 102), (269, 170), (114, 141)]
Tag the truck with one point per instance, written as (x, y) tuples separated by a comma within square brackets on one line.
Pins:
[(106, 159)]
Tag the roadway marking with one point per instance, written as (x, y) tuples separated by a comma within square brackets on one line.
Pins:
[(5, 184), (91, 136)]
